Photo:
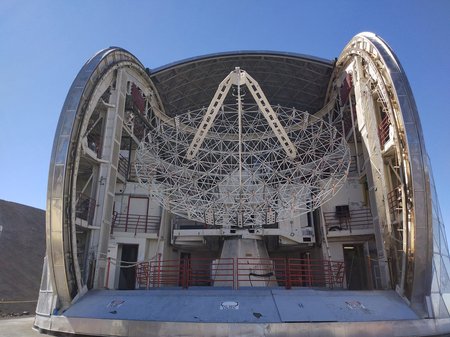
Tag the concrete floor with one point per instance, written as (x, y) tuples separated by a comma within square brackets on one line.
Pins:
[(18, 327), (246, 305)]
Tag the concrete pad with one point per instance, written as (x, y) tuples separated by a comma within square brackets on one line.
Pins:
[(246, 305), (311, 305), (18, 327), (237, 306)]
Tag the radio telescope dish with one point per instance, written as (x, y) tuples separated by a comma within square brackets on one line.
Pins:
[(245, 163)]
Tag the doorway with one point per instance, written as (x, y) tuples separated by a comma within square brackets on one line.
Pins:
[(127, 275), (355, 266)]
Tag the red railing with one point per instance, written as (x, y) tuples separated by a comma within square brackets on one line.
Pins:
[(186, 273), (315, 273), (257, 272), (135, 223), (241, 272), (136, 102), (138, 98), (383, 130), (356, 219), (345, 89)]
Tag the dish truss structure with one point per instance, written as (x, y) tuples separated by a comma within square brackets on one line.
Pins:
[(244, 193), (242, 164)]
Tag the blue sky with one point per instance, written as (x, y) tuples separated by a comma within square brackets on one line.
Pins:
[(45, 43)]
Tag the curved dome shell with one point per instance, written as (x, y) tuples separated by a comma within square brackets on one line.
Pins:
[(288, 79)]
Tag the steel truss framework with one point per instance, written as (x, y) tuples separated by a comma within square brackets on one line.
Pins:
[(243, 164)]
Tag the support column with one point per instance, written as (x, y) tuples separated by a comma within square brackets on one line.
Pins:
[(367, 124), (251, 261), (108, 174)]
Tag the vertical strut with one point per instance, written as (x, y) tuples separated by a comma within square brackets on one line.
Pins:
[(239, 101)]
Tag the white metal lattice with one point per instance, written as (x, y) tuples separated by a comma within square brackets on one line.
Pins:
[(243, 169)]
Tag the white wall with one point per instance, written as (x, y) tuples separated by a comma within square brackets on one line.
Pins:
[(351, 194)]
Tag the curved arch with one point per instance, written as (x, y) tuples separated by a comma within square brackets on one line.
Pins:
[(83, 94), (390, 85)]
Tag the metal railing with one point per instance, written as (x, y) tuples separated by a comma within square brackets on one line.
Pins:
[(85, 208), (241, 272), (395, 201), (257, 272), (122, 166), (316, 273), (355, 219), (138, 99), (94, 143), (132, 175), (179, 222), (353, 167), (135, 223), (186, 273), (383, 130)]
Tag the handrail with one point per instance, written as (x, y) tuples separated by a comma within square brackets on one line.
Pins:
[(85, 208), (395, 200), (241, 272), (122, 166), (123, 222), (261, 271), (138, 99), (356, 219), (353, 167), (383, 130), (94, 143)]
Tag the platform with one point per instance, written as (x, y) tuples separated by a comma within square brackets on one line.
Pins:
[(252, 305), (270, 312)]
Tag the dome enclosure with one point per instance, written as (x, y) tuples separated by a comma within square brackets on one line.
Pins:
[(248, 187)]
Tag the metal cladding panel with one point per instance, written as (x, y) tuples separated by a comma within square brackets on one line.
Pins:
[(58, 179), (408, 116)]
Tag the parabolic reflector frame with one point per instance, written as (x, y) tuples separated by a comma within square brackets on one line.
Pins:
[(244, 170)]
